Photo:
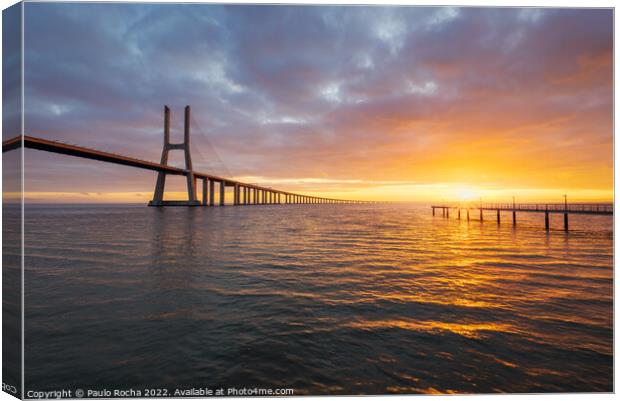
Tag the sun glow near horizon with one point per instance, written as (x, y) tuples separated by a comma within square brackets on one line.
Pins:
[(382, 192)]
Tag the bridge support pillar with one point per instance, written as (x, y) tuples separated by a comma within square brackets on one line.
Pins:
[(236, 195), (158, 195), (211, 193), (205, 187), (448, 212), (222, 193)]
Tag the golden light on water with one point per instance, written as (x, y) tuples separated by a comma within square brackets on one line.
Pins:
[(473, 330)]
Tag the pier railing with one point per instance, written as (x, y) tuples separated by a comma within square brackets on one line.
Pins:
[(605, 208)]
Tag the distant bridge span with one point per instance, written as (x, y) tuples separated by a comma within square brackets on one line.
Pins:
[(244, 193)]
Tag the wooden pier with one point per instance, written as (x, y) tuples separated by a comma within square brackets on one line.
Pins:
[(606, 209)]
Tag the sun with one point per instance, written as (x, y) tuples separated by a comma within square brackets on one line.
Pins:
[(466, 194)]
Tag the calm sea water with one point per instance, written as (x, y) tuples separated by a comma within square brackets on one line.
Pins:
[(324, 299)]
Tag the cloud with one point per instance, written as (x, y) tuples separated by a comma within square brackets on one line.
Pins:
[(424, 94)]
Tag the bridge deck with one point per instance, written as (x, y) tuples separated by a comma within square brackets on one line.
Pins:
[(93, 154)]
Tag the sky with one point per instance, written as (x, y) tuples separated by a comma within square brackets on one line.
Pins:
[(362, 102)]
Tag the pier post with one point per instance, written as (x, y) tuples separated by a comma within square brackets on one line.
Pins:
[(498, 218), (547, 220), (236, 195), (245, 195), (565, 221), (467, 214), (481, 218), (433, 211), (514, 218), (222, 192), (459, 213)]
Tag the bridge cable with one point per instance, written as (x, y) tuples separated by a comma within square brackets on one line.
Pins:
[(210, 146)]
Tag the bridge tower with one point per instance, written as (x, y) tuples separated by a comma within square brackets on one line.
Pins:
[(158, 196)]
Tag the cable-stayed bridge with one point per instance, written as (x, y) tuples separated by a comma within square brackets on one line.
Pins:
[(243, 193)]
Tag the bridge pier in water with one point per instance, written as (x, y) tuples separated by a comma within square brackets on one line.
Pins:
[(158, 195)]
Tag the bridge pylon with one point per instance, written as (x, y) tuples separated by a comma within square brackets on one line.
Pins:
[(158, 196)]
